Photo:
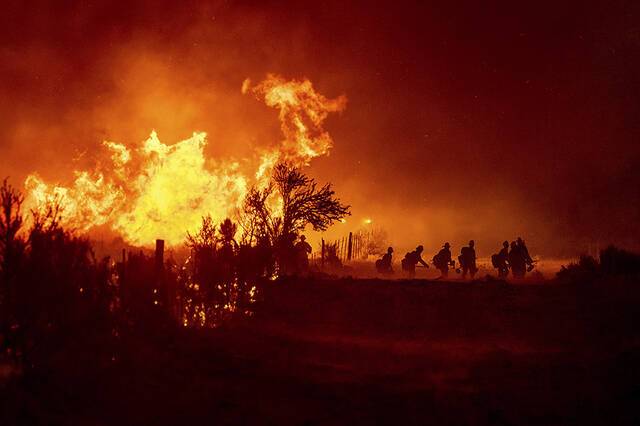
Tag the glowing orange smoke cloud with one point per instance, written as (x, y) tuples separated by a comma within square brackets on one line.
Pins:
[(302, 112), (162, 191)]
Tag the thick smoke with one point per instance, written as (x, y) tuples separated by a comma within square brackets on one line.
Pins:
[(464, 121)]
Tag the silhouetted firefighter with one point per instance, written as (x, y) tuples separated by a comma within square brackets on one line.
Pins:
[(467, 260), (500, 260), (410, 261), (442, 260), (517, 261), (302, 249), (384, 264), (525, 254)]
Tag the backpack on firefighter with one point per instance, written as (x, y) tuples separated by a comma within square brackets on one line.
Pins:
[(406, 262)]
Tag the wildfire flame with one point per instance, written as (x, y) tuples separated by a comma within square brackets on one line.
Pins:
[(302, 112), (162, 191)]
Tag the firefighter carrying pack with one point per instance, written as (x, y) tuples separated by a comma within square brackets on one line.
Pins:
[(406, 262)]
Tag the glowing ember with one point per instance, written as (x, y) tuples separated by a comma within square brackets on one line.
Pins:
[(162, 191)]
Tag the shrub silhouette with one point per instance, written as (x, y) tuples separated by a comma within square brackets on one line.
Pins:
[(53, 288), (220, 276), (613, 261), (55, 294), (586, 269)]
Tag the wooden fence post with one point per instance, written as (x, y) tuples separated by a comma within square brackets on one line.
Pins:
[(122, 287), (159, 254), (355, 247), (124, 262)]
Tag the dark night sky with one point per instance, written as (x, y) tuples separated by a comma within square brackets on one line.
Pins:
[(464, 119)]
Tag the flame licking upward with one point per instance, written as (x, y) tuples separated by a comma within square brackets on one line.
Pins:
[(156, 190), (302, 112), (162, 191)]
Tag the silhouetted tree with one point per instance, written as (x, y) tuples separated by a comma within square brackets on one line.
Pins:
[(256, 217), (11, 250), (299, 202), (303, 203), (11, 218), (281, 210)]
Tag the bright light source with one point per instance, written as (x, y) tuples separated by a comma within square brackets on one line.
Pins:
[(343, 220), (367, 221)]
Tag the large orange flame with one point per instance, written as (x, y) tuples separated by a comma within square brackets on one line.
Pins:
[(162, 191)]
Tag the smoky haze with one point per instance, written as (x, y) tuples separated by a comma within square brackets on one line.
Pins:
[(463, 121)]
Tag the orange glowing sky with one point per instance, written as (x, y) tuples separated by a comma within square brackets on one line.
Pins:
[(463, 121)]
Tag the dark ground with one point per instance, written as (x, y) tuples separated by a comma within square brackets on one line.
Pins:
[(366, 352)]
